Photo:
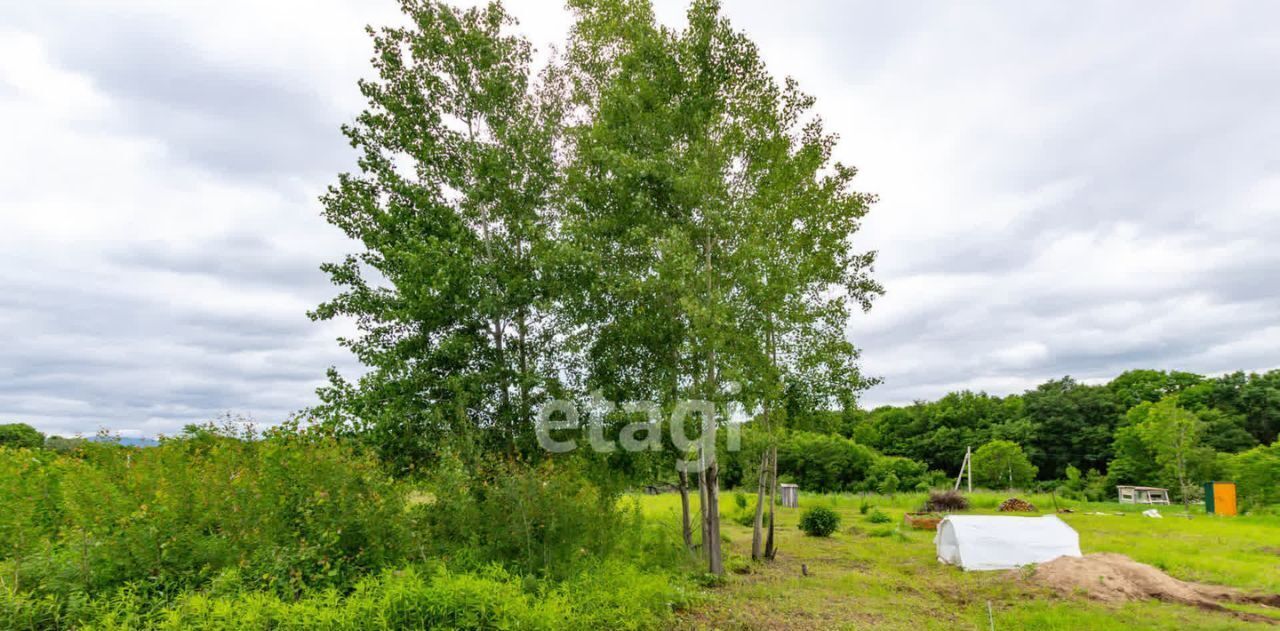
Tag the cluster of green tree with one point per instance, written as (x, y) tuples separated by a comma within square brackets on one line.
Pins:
[(827, 463), (653, 217), (214, 530), (1149, 427)]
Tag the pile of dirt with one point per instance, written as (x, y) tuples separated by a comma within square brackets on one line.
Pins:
[(1015, 505), (1117, 578)]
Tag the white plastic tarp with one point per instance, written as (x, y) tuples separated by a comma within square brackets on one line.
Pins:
[(992, 542)]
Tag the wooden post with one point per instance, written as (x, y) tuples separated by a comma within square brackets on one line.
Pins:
[(965, 465), (968, 461)]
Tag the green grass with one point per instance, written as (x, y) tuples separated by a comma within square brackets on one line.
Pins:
[(884, 576)]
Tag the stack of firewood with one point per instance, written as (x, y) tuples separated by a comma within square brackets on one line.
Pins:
[(1015, 505)]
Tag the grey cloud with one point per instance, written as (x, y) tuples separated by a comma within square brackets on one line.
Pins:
[(241, 121), (247, 259), (996, 135), (231, 120)]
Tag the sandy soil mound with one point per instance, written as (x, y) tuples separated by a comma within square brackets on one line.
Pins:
[(1117, 578)]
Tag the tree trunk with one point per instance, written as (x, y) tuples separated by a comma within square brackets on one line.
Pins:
[(684, 510), (704, 522), (771, 451), (757, 527), (504, 381), (711, 475), (522, 337), (769, 550)]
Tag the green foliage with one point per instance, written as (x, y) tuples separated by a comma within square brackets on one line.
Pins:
[(888, 485), (290, 511), (824, 463), (896, 473), (819, 521), (1001, 464), (1160, 444), (878, 516), (449, 210), (20, 436), (1257, 475), (1064, 423), (1134, 387), (937, 433), (1073, 425), (614, 596), (545, 520), (1223, 431), (211, 530)]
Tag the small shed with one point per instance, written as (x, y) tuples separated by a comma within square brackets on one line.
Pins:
[(790, 494), (1143, 495), (990, 542), (1220, 498)]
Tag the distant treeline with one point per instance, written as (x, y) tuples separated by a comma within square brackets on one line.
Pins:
[(1114, 433)]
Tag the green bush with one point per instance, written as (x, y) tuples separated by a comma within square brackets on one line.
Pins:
[(819, 521), (878, 516), (290, 511), (541, 520)]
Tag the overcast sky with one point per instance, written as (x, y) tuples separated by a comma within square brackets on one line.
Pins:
[(1066, 188)]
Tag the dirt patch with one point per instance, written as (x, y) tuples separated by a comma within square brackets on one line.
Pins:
[(1117, 578)]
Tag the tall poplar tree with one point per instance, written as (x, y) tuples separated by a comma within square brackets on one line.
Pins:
[(713, 227), (452, 207)]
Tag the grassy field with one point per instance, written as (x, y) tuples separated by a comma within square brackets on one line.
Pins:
[(883, 576)]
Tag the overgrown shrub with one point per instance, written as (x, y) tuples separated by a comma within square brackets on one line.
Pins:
[(541, 520), (290, 511), (878, 516), (819, 521), (945, 502)]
